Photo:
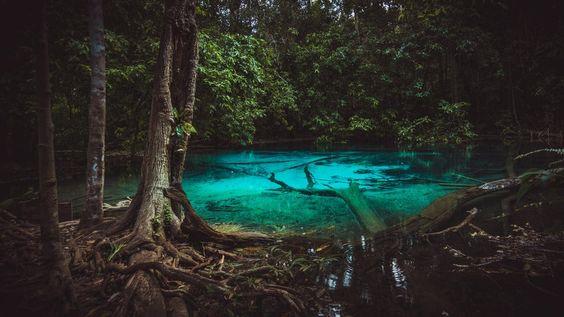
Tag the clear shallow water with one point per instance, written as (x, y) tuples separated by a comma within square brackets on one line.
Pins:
[(233, 186)]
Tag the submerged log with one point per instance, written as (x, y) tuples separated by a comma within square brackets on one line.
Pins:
[(352, 196), (361, 208)]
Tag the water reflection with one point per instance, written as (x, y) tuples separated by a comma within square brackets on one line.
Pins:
[(349, 264), (397, 273), (365, 276)]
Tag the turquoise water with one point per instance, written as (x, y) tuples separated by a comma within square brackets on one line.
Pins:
[(233, 187)]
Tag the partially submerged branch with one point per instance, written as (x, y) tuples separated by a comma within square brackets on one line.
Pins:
[(352, 196)]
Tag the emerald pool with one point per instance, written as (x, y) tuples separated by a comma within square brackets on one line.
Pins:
[(232, 187)]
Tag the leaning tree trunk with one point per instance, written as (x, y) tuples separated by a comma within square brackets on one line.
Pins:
[(59, 277), (93, 213)]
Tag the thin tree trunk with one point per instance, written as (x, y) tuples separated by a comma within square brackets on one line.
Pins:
[(183, 94), (60, 283), (94, 213)]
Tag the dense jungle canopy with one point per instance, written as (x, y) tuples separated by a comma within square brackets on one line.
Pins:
[(402, 72)]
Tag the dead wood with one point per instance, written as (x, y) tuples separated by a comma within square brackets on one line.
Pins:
[(471, 214)]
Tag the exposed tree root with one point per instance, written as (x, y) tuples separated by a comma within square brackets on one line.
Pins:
[(125, 274), (162, 276), (156, 262), (172, 273), (196, 228)]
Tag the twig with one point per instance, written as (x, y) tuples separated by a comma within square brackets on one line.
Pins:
[(471, 214)]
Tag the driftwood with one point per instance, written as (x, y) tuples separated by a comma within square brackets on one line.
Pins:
[(368, 219)]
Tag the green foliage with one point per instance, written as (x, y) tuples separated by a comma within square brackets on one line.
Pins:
[(167, 214), (182, 126), (238, 85), (130, 56), (156, 223), (406, 72), (447, 125)]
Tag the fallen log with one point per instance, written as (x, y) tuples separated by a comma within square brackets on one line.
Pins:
[(360, 207), (438, 213)]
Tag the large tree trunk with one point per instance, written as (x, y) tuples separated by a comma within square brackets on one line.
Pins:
[(155, 167), (59, 277), (149, 244), (93, 213), (149, 202), (175, 75), (148, 208)]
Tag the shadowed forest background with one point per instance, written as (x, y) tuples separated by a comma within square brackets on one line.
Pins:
[(411, 73)]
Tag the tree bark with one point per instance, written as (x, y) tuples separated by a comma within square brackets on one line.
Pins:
[(155, 166), (183, 92), (165, 151), (93, 213), (59, 277), (147, 212)]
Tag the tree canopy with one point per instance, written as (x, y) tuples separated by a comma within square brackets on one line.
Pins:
[(404, 72)]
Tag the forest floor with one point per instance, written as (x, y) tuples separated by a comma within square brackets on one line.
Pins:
[(476, 263)]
